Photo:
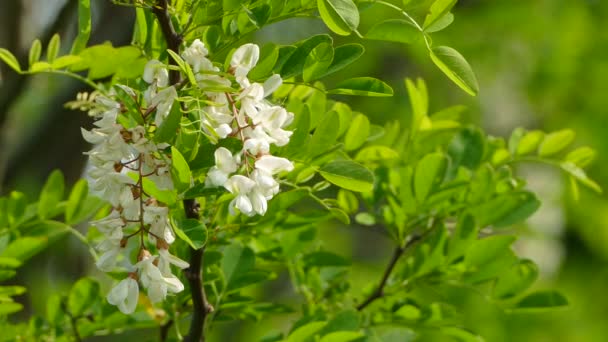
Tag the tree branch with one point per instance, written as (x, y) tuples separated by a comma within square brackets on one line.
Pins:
[(194, 272), (195, 280), (398, 253), (174, 40)]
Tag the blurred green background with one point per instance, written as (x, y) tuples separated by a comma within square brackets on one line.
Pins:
[(540, 64)]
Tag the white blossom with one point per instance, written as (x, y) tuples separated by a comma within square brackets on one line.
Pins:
[(196, 56), (273, 165), (156, 73), (125, 295), (163, 101), (243, 60)]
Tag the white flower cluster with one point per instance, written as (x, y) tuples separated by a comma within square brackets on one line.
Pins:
[(123, 157), (245, 115), (118, 151)]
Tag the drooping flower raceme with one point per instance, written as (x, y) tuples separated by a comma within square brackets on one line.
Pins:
[(248, 174), (126, 155), (119, 161)]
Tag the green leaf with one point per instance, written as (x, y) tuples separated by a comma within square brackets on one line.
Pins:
[(269, 56), (237, 260), (340, 214), (456, 68), (429, 175), (192, 231), (301, 133), (317, 62), (35, 50), (581, 157), (7, 308), (365, 219), (324, 259), (140, 31), (343, 56), (437, 11), (180, 171), (390, 333), (348, 175), (342, 336), (325, 135), (76, 200), (340, 16), (440, 24), (376, 153), (529, 142), (84, 26), (485, 251), (516, 280), (555, 142), (168, 128), (295, 60), (53, 48), (306, 332), (186, 69), (51, 195), (362, 86), (10, 291), (82, 296), (394, 30), (54, 310), (25, 248), (506, 209), (249, 278), (65, 61), (580, 175), (419, 100), (15, 208), (467, 148), (357, 133), (462, 238), (542, 301), (10, 59), (347, 201)]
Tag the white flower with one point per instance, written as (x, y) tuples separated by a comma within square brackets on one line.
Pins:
[(251, 100), (243, 60), (156, 72), (163, 101), (265, 184), (258, 201), (225, 164), (167, 259), (157, 218), (107, 260), (124, 295), (153, 280), (111, 226), (271, 84), (240, 186), (130, 207), (257, 141), (273, 165), (196, 55)]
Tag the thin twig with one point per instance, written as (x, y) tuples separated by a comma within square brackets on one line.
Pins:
[(397, 254)]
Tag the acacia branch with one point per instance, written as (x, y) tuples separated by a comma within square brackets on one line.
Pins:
[(194, 272), (397, 254), (173, 39)]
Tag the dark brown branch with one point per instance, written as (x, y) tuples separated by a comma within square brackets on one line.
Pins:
[(379, 292), (164, 330), (195, 280), (174, 40), (194, 272)]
